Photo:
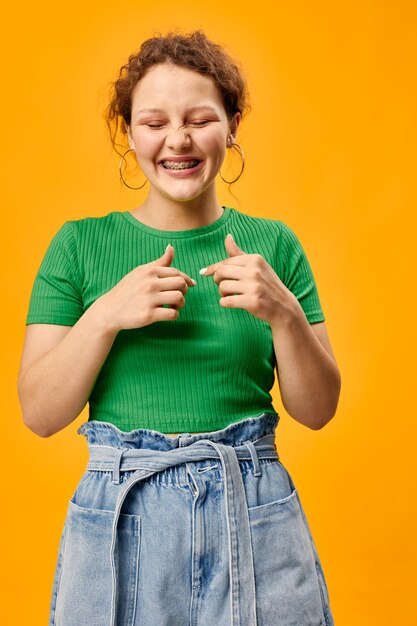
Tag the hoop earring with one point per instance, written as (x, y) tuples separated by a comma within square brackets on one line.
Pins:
[(243, 164), (121, 175)]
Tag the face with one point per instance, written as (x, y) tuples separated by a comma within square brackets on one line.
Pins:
[(190, 122)]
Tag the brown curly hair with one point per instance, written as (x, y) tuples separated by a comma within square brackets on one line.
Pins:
[(194, 51)]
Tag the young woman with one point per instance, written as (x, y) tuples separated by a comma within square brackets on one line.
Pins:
[(185, 513)]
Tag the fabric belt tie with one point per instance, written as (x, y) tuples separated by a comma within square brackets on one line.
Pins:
[(147, 462)]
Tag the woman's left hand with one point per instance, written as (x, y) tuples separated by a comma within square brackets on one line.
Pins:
[(259, 290)]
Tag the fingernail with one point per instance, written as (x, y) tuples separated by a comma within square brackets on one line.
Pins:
[(203, 271), (193, 281), (167, 247)]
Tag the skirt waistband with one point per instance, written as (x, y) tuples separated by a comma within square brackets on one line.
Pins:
[(107, 434)]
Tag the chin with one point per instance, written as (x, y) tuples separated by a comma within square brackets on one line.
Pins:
[(192, 194), (182, 199)]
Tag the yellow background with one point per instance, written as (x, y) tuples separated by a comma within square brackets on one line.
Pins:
[(330, 149)]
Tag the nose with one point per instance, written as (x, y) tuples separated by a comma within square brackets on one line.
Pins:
[(177, 138)]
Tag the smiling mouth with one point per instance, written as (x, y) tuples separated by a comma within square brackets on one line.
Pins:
[(180, 165)]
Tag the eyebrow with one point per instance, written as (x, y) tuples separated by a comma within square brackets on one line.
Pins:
[(189, 110)]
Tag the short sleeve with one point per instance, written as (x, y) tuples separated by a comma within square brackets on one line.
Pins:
[(297, 275), (56, 296)]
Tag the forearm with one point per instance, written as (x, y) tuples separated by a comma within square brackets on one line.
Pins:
[(308, 376), (55, 389)]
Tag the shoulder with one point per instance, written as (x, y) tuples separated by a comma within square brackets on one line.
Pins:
[(274, 225), (77, 239), (94, 223), (264, 229), (93, 232), (259, 223)]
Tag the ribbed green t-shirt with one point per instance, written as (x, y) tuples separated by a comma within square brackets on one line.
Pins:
[(200, 372)]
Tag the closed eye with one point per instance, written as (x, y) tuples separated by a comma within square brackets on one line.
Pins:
[(159, 125)]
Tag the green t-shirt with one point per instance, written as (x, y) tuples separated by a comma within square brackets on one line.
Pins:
[(200, 372)]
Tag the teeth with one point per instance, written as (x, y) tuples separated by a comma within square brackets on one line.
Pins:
[(179, 165)]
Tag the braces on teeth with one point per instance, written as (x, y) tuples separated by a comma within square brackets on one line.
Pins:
[(182, 165)]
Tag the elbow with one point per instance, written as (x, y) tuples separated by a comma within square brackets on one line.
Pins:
[(315, 420), (34, 424), (322, 423), (37, 431), (36, 428), (330, 412)]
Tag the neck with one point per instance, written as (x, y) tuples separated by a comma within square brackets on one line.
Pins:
[(163, 213)]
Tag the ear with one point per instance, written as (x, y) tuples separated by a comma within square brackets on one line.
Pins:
[(234, 124), (129, 137)]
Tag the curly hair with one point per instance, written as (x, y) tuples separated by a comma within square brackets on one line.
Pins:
[(194, 51)]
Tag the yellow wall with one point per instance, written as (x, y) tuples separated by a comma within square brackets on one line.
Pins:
[(330, 149)]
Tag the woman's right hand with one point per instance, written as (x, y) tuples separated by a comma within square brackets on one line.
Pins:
[(137, 299)]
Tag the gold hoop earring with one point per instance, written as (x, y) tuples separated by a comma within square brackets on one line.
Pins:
[(121, 175), (243, 164)]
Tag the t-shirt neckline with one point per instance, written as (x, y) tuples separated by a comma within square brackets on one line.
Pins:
[(175, 234)]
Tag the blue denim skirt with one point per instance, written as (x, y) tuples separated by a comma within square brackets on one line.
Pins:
[(196, 530)]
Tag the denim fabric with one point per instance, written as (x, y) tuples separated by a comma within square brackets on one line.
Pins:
[(195, 530)]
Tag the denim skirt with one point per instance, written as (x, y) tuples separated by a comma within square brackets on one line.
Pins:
[(197, 530)]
